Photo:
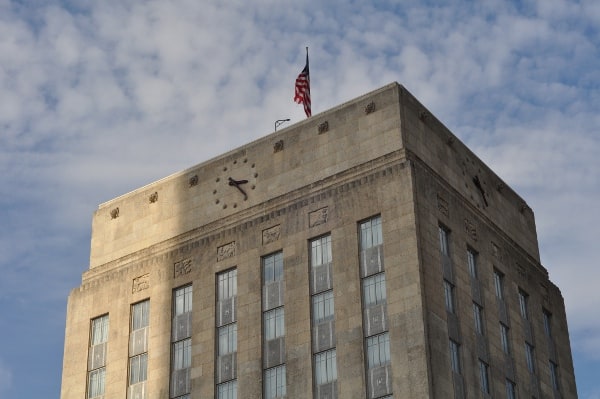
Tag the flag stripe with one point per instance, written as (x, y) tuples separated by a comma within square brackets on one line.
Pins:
[(302, 92)]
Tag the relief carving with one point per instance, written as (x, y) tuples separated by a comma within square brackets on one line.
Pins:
[(443, 206), (226, 251), (182, 268), (318, 217), (141, 283), (496, 252), (323, 127), (471, 229), (271, 234), (278, 146), (370, 108)]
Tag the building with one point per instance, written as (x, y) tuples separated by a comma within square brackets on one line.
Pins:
[(362, 253)]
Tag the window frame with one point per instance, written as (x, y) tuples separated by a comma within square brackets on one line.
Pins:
[(325, 364), (472, 265), (454, 351)]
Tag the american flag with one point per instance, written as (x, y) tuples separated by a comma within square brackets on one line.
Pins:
[(302, 95)]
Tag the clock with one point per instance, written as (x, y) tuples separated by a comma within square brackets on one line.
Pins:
[(234, 183)]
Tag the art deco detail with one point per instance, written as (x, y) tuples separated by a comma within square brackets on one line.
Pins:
[(278, 146), (443, 205), (370, 108), (496, 251), (141, 283), (226, 251), (323, 127), (271, 234), (182, 268), (471, 229), (318, 217)]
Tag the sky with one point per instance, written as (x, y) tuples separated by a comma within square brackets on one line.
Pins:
[(98, 98)]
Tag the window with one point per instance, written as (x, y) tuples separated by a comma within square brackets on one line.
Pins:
[(274, 323), (322, 307), (138, 355), (504, 340), (96, 379), (547, 323), (374, 290), (99, 330), (325, 367), (499, 284), (273, 267), (370, 233), (227, 284), (455, 356), (478, 318), (275, 382), (182, 354), (140, 315), (529, 357), (472, 262), (523, 304), (449, 296), (484, 376), (228, 339), (511, 390), (444, 247), (554, 375), (378, 350), (227, 390), (320, 251), (181, 341), (182, 300), (138, 368), (226, 334)]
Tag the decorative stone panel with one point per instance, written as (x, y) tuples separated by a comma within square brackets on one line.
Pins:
[(226, 251), (141, 283), (320, 216), (271, 234), (182, 268)]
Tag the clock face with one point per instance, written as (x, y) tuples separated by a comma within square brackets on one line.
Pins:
[(235, 182)]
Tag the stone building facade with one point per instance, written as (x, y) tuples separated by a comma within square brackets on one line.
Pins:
[(362, 253)]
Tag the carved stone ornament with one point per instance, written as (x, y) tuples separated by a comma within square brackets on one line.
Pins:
[(496, 251), (141, 283), (226, 251), (114, 213), (271, 234), (323, 127), (370, 108), (193, 181), (278, 146), (443, 205), (318, 217), (153, 197), (182, 268), (471, 229)]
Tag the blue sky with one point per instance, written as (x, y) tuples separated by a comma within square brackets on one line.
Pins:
[(98, 98)]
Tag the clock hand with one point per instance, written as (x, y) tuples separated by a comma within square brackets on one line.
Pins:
[(237, 183), (480, 188)]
